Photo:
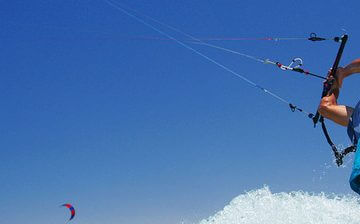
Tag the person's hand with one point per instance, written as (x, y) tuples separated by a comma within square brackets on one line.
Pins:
[(337, 80)]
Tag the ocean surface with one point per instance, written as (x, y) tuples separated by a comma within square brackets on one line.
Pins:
[(261, 206)]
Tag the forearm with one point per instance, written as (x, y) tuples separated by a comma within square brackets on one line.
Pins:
[(342, 73), (352, 68)]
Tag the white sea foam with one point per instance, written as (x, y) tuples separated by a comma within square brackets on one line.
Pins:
[(264, 207)]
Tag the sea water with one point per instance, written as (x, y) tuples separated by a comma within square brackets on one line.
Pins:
[(264, 207)]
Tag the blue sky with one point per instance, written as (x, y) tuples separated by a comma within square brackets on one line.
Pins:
[(98, 112)]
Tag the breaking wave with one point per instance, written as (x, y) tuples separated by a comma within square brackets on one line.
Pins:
[(264, 207)]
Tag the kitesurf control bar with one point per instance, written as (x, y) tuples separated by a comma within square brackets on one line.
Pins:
[(327, 89), (328, 84)]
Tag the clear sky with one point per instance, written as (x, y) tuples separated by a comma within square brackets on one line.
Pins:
[(99, 111)]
